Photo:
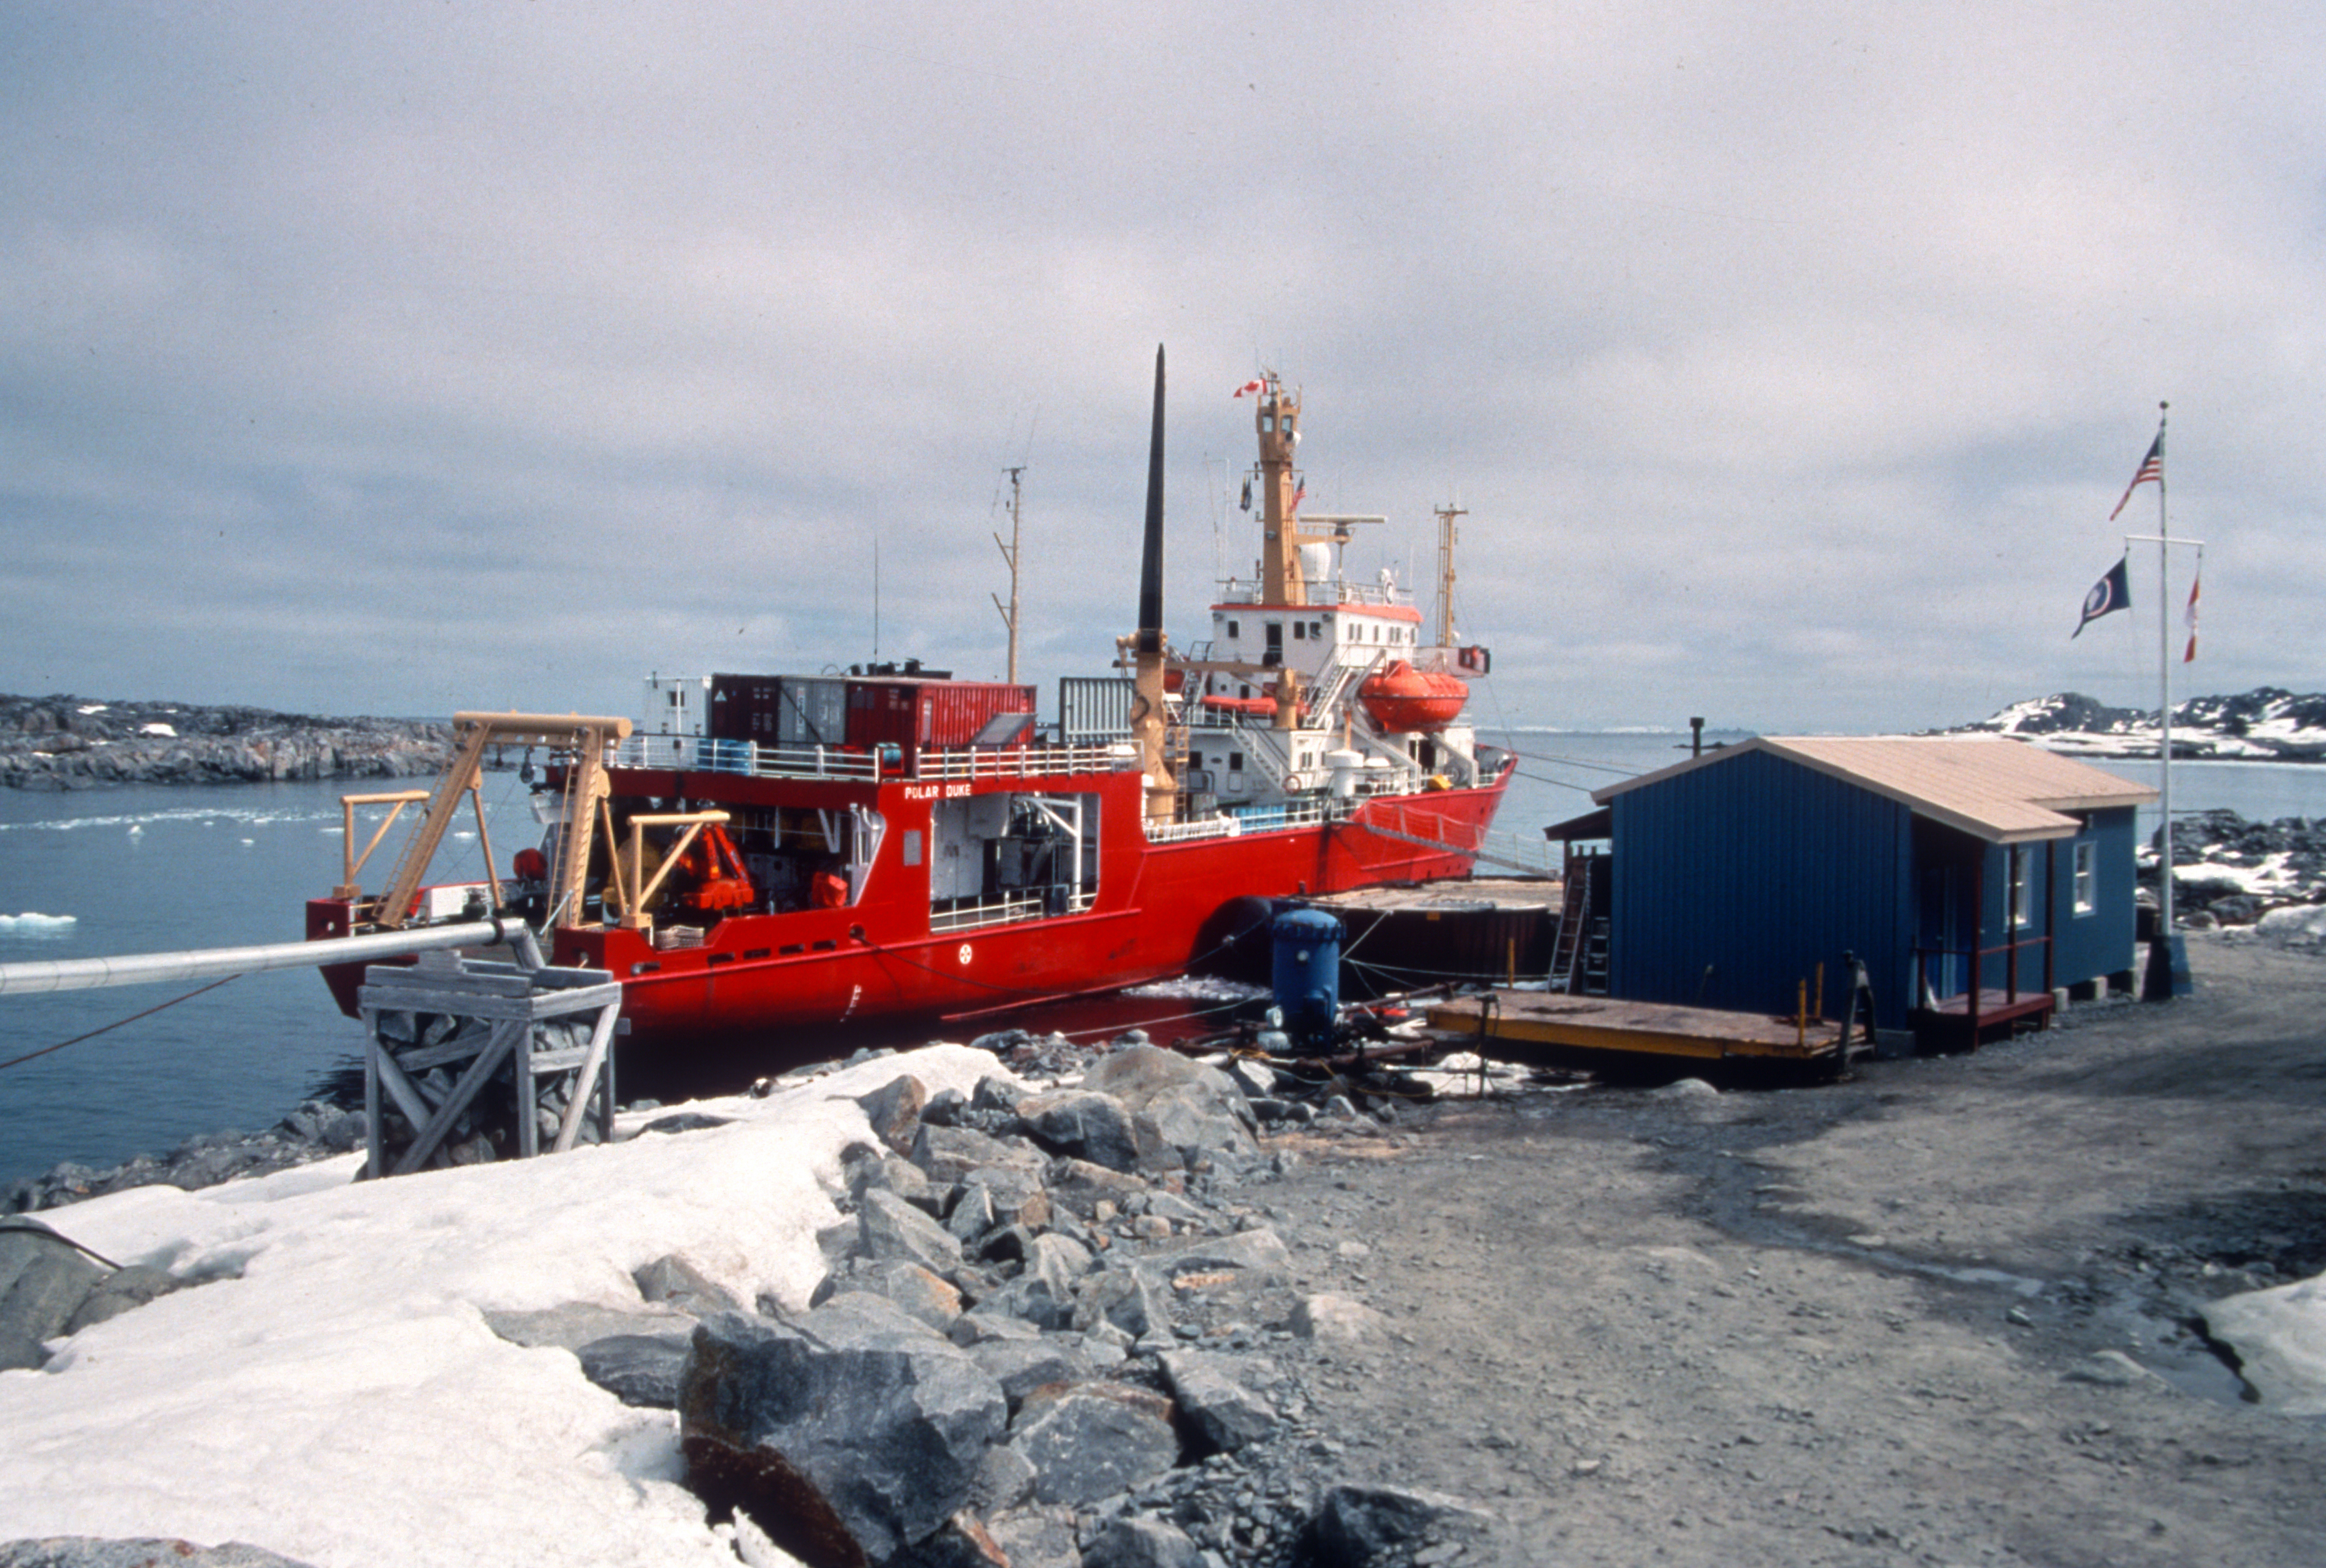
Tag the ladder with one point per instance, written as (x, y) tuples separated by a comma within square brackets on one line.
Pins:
[(1574, 914)]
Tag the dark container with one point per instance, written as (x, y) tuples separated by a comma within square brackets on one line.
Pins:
[(1307, 974), (790, 710), (928, 713)]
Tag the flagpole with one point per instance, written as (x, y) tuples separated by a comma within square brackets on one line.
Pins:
[(2165, 681)]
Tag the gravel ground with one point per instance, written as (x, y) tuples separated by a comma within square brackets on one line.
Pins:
[(1943, 1312)]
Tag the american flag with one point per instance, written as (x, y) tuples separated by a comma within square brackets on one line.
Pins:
[(2152, 467)]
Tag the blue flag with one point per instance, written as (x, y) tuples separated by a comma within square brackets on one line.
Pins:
[(2108, 595)]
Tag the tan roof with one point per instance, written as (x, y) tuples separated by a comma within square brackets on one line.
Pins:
[(1997, 789)]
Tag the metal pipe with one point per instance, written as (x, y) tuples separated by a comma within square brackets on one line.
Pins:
[(45, 976)]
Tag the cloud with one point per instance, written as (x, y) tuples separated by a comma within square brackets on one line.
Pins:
[(1787, 364)]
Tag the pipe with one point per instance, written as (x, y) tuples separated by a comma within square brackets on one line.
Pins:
[(41, 976)]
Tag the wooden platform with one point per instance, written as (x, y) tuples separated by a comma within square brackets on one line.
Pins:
[(1549, 1020), (1948, 1025)]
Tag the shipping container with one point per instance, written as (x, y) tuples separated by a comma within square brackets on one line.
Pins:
[(786, 710), (1094, 709), (934, 712)]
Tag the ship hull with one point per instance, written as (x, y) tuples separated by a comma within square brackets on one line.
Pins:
[(1156, 914)]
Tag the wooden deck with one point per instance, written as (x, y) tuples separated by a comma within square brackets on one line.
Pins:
[(1949, 1025), (1553, 1021)]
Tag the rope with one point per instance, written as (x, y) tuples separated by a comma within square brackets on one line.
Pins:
[(92, 1034)]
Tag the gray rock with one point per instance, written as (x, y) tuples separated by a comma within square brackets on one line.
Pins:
[(894, 1110), (1143, 1544), (1259, 1254), (961, 1542), (1023, 1366), (950, 1153), (1138, 1075), (1094, 1440), (1126, 1298), (1030, 1298), (1084, 1124), (890, 1227), (1058, 1260), (854, 1432), (46, 1279), (997, 1094), (577, 1324), (347, 1132), (1214, 1400), (118, 1292), (1079, 1186), (639, 1369), (944, 1108), (1373, 1526), (971, 1329), (94, 1552), (971, 1215), (912, 1289), (1337, 1320), (671, 1279), (1192, 1125), (1036, 1537), (1005, 1479)]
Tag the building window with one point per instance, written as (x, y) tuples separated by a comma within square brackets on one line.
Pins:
[(1235, 762), (2022, 914), (1232, 629), (1299, 631), (2087, 880)]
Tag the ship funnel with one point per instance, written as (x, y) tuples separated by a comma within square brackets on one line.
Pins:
[(1150, 564)]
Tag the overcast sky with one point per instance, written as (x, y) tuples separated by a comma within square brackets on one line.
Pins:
[(1788, 361)]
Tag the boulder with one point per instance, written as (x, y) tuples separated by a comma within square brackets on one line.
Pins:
[(894, 1110), (909, 1287), (1337, 1320), (1213, 1400), (1094, 1440), (1192, 1125), (971, 1215), (1130, 1300), (848, 1436), (1036, 1537), (1084, 1124), (672, 1280), (961, 1542), (950, 1153), (118, 1292), (1257, 1256), (1374, 1526), (1143, 1544), (639, 1369), (43, 1279), (1079, 1186), (1136, 1077), (577, 1324), (889, 1228), (1023, 1366), (1015, 1192)]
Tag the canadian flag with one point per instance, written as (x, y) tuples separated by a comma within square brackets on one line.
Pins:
[(1253, 388), (2189, 616)]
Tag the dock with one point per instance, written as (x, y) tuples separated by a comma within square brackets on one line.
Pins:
[(1477, 929), (1551, 1026)]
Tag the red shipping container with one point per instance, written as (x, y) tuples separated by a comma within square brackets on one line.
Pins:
[(905, 712)]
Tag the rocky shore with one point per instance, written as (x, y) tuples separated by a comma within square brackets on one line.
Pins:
[(68, 743), (2266, 724)]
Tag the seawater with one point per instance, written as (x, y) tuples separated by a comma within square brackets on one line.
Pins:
[(148, 868)]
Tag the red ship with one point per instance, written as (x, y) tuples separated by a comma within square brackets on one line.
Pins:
[(780, 850)]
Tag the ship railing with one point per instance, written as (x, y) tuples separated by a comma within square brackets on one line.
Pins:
[(1006, 908), (757, 760), (1234, 821), (1020, 761)]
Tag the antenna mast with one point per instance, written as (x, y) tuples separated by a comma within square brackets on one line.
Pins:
[(1010, 553), (1446, 538)]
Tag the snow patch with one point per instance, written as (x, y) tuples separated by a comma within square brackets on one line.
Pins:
[(2280, 1337), (336, 1394), (158, 728)]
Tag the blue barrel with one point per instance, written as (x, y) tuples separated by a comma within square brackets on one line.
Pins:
[(1307, 971)]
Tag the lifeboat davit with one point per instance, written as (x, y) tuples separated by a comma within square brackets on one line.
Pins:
[(1401, 698)]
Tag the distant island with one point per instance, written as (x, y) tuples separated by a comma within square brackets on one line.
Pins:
[(2266, 724), (69, 742)]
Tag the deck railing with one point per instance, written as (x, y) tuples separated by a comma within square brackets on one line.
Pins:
[(755, 760), (1006, 908), (1975, 991)]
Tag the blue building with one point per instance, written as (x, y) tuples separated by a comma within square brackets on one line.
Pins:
[(1733, 876)]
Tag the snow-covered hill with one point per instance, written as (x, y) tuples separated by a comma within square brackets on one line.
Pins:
[(2267, 723)]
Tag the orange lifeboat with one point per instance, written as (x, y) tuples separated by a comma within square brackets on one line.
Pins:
[(1401, 698)]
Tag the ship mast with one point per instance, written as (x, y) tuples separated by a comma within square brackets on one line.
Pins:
[(1149, 723), (1447, 637), (1010, 553)]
